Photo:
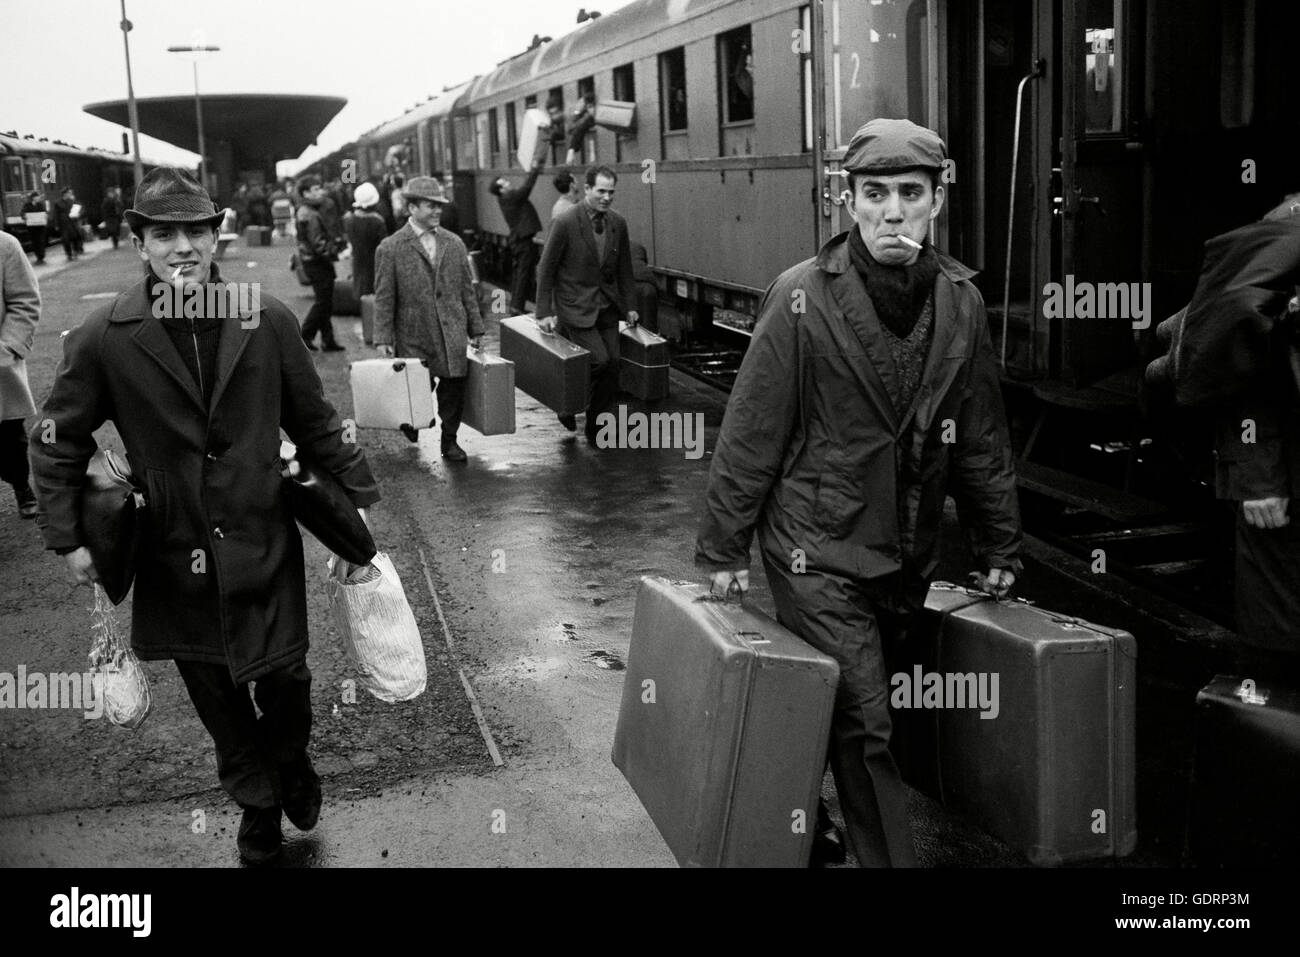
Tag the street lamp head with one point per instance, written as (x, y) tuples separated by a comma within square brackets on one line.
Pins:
[(193, 48)]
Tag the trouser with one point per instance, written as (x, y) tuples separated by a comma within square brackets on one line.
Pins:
[(250, 750), (601, 340), (71, 238), (855, 622), (321, 275), (39, 236), (1268, 586), (451, 404), (523, 274), (13, 453), (114, 228)]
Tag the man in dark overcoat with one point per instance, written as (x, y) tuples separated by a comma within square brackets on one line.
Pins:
[(585, 287), (426, 306), (199, 401), (869, 391)]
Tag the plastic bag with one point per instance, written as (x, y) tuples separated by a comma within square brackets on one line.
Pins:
[(379, 631), (119, 680)]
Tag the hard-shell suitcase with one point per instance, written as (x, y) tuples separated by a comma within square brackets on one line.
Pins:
[(643, 362), (345, 300), (723, 728), (254, 236), (1027, 725), (489, 393), (533, 137), (1245, 805), (550, 368), (368, 319), (390, 393)]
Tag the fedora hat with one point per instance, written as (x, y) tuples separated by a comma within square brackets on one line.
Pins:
[(171, 195), (425, 187)]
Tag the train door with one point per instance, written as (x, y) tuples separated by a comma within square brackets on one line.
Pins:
[(1103, 221), (869, 60)]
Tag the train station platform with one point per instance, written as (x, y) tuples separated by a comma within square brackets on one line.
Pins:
[(521, 566)]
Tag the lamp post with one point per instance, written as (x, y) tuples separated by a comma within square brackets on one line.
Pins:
[(198, 48), (130, 98)]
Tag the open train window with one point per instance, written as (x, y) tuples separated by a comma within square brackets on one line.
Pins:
[(625, 92), (555, 107), (512, 133), (1104, 53), (736, 75), (672, 89), (494, 137), (584, 121)]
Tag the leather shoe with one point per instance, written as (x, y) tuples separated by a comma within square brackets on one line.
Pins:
[(410, 431), (332, 347), (259, 835), (26, 501), (569, 422), (453, 452), (300, 793)]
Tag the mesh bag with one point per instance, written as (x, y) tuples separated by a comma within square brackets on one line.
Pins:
[(120, 681)]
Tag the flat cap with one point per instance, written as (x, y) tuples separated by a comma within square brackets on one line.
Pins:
[(884, 145)]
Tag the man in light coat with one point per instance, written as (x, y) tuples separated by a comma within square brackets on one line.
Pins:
[(20, 310), (868, 392), (199, 402), (426, 306)]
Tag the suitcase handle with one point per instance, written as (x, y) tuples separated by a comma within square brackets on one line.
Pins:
[(733, 588)]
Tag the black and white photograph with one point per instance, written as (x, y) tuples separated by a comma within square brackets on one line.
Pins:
[(772, 434)]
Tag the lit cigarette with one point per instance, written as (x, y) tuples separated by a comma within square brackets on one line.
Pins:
[(910, 241), (176, 274)]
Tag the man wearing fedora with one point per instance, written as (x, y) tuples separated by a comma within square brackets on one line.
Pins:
[(199, 402), (425, 303), (868, 393)]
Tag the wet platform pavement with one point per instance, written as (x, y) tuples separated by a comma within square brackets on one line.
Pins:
[(521, 566)]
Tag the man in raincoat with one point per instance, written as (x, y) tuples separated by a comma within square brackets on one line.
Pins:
[(199, 401), (868, 392)]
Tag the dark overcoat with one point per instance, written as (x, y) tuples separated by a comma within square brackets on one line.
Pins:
[(220, 577), (426, 309), (813, 454)]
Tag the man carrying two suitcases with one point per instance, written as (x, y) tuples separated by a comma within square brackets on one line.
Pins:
[(426, 306), (869, 387)]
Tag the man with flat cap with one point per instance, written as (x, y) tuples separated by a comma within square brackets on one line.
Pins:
[(199, 401), (869, 391), (425, 303)]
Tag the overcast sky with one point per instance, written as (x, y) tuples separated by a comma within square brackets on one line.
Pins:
[(383, 55)]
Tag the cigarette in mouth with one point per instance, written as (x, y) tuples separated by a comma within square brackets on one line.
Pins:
[(909, 240), (176, 274)]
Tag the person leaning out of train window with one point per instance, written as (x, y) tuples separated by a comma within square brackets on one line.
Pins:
[(67, 220), (868, 393), (36, 216)]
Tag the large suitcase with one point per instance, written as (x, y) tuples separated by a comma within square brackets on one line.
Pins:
[(723, 728), (489, 393), (345, 300), (550, 368), (533, 137), (1245, 807), (643, 362), (368, 318), (256, 236), (391, 393), (1045, 757)]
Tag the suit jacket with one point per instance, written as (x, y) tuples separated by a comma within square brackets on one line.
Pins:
[(210, 472), (572, 275), (425, 309)]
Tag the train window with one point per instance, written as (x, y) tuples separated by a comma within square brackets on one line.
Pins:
[(512, 133), (1103, 56), (484, 142), (555, 107), (530, 101), (582, 145), (625, 83), (879, 64), (465, 142), (672, 89), (806, 75), (494, 136), (736, 69)]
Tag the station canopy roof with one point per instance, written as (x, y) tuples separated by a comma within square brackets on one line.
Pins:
[(256, 123)]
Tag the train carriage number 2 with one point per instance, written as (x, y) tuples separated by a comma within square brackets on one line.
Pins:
[(857, 65)]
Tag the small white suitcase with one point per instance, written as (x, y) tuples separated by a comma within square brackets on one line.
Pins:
[(535, 134), (390, 393)]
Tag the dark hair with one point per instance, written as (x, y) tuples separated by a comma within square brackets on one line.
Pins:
[(563, 182), (554, 103), (306, 183), (495, 187), (594, 171), (934, 176)]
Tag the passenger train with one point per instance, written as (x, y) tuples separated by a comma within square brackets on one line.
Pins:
[(1091, 141)]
